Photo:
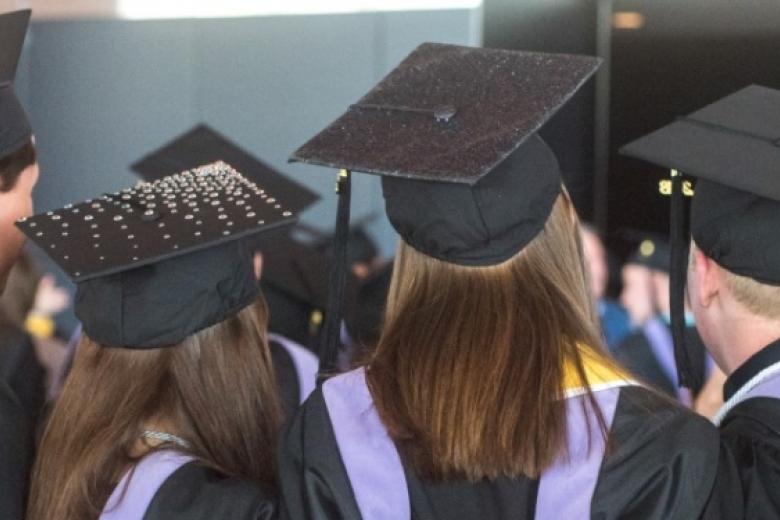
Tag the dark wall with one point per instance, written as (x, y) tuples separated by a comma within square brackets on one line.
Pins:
[(567, 26), (688, 54)]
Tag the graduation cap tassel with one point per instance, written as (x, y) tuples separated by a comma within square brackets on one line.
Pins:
[(679, 244), (331, 338)]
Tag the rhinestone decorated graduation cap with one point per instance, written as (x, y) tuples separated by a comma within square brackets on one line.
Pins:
[(732, 149), (452, 132), (291, 279), (158, 262), (15, 129), (204, 145)]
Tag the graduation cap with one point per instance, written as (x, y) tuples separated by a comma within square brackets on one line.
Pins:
[(290, 279), (295, 285), (362, 248), (203, 145), (15, 129), (652, 252), (452, 132), (158, 262), (733, 148)]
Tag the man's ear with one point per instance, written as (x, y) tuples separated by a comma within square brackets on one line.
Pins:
[(706, 277)]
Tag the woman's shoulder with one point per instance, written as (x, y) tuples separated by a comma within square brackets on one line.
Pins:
[(649, 419), (196, 492), (656, 448)]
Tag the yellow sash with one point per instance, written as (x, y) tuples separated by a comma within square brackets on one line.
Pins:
[(598, 374)]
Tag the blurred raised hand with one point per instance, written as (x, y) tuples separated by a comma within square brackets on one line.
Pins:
[(50, 299)]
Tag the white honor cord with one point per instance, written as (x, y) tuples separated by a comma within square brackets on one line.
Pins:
[(165, 437), (741, 394)]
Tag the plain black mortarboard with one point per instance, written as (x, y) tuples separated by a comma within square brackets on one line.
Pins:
[(652, 252), (295, 285), (733, 148), (156, 263), (441, 121), (15, 129), (362, 248), (203, 145)]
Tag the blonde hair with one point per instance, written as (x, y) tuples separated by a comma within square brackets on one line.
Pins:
[(468, 373), (761, 299)]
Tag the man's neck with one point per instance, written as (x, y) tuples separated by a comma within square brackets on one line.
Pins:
[(743, 337)]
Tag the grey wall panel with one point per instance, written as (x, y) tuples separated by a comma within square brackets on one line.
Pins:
[(276, 81), (102, 92)]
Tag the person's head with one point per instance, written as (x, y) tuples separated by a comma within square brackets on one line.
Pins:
[(216, 388), (450, 328), (720, 298), (595, 259), (637, 293), (733, 220), (646, 280), (18, 176)]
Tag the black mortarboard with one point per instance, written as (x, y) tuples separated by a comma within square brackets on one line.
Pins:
[(453, 115), (15, 129), (733, 148), (362, 248), (203, 145), (652, 252), (295, 285), (156, 263)]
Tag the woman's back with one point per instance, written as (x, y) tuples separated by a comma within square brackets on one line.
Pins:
[(338, 462)]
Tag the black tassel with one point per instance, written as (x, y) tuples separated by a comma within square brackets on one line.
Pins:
[(330, 343), (679, 241)]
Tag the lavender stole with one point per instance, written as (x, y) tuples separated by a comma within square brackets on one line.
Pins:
[(377, 476), (306, 364), (134, 493)]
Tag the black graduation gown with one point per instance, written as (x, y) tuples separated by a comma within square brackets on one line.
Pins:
[(194, 492), (286, 377), (661, 464), (21, 370), (750, 431), (16, 454), (296, 371)]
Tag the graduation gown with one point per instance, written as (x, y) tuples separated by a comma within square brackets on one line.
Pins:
[(661, 464), (167, 485), (649, 354), (750, 430), (16, 455), (21, 370), (296, 370)]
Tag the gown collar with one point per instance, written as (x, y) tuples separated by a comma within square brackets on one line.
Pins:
[(759, 361)]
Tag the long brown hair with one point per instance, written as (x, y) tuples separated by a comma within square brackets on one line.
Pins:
[(468, 373), (217, 388)]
